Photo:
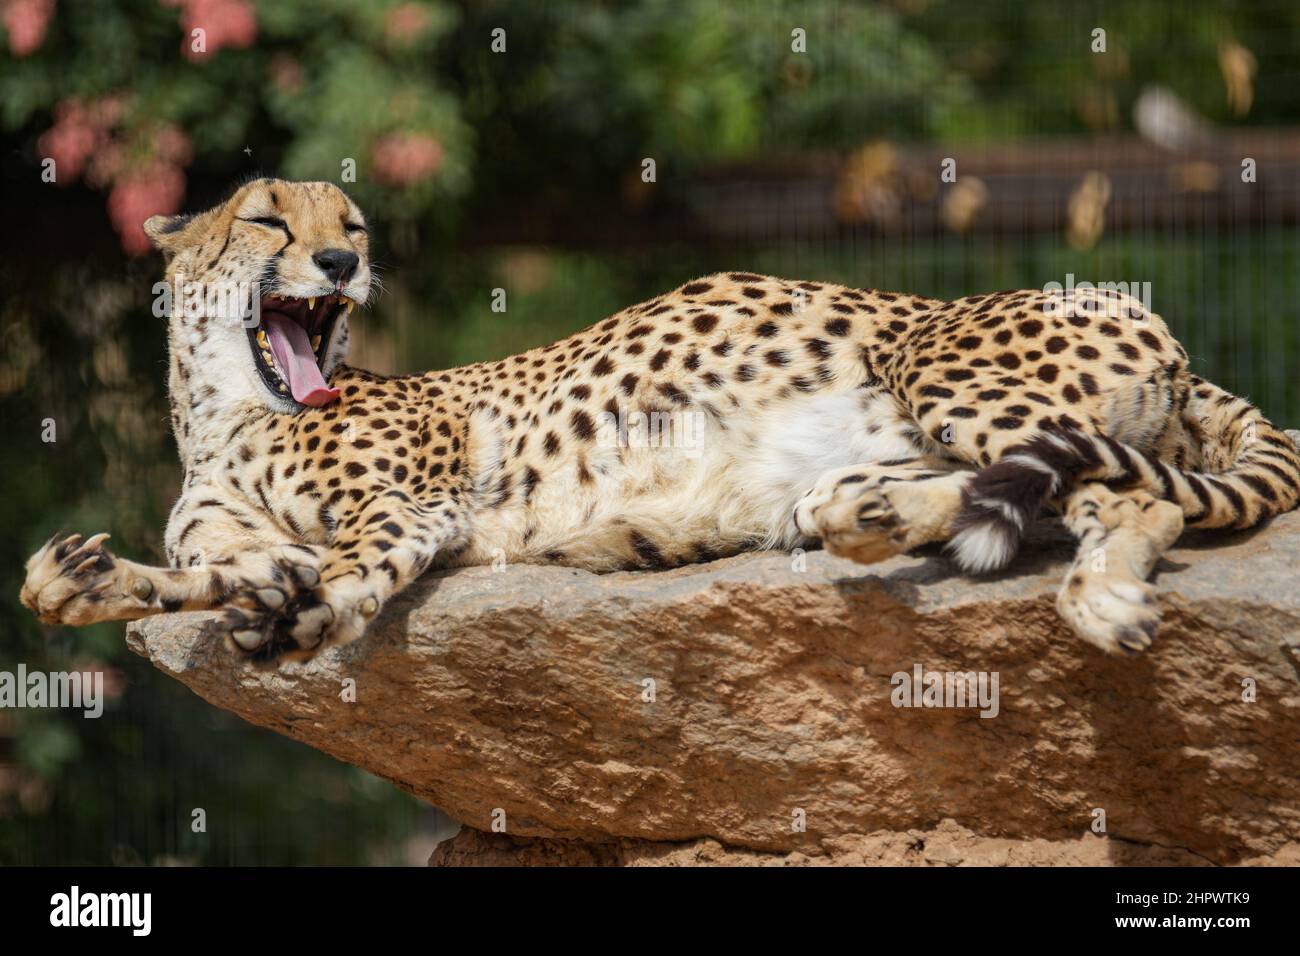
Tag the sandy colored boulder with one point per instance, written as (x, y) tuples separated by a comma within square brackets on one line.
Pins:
[(705, 714)]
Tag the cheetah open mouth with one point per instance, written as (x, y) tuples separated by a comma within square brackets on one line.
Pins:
[(290, 342)]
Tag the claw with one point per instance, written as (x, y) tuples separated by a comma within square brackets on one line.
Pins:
[(90, 544), (96, 540)]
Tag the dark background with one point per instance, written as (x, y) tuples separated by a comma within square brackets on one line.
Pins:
[(522, 170)]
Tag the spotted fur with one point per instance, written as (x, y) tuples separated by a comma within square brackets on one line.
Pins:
[(925, 420)]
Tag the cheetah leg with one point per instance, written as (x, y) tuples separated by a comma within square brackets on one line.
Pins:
[(1105, 597), (383, 546), (872, 512), (78, 581)]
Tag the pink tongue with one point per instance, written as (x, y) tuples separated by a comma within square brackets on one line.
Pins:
[(294, 356)]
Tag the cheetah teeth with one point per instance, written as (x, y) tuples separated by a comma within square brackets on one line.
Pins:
[(311, 303), (261, 340), (315, 341)]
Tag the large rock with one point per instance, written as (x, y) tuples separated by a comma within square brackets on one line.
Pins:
[(524, 696)]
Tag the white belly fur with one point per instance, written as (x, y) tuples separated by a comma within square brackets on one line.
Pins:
[(735, 487)]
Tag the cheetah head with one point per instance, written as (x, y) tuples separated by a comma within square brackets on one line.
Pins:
[(262, 286)]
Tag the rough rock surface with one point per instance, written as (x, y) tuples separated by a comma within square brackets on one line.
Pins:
[(947, 844), (521, 695)]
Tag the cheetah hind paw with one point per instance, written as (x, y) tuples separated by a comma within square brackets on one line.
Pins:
[(1120, 615)]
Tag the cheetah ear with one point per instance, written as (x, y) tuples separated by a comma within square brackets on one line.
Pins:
[(168, 233)]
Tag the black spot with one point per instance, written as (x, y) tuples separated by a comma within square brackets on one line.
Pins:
[(646, 550), (582, 425), (1149, 340), (1009, 360), (673, 393)]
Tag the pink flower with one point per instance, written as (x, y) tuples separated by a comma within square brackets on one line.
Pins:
[(405, 23), (402, 159), (69, 145), (26, 22), (225, 23), (80, 131), (158, 188)]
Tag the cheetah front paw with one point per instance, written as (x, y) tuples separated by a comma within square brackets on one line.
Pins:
[(75, 581), (294, 614), (869, 517), (863, 527), (1118, 614)]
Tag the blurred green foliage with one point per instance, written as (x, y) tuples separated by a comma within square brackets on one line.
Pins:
[(446, 134)]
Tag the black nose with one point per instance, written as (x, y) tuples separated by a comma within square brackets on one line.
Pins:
[(337, 264)]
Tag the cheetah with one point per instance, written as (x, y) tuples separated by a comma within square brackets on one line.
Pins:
[(736, 412)]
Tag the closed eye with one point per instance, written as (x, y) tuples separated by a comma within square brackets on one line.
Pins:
[(354, 227), (271, 222)]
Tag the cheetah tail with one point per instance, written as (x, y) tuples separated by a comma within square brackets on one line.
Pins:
[(1256, 474)]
